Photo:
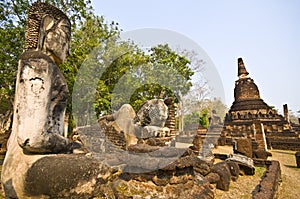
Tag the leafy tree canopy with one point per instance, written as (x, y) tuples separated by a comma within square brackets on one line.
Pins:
[(161, 72), (12, 33)]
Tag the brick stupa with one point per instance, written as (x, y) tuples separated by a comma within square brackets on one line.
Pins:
[(248, 110)]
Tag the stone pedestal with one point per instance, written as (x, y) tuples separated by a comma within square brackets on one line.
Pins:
[(244, 147)]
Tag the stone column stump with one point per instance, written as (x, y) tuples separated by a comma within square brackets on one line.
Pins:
[(297, 155)]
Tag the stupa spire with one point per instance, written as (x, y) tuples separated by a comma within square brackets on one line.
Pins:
[(242, 72)]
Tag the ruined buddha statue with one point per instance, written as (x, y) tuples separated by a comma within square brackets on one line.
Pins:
[(41, 89), (39, 162), (149, 121)]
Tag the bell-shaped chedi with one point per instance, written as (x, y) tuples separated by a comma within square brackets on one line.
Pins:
[(248, 108), (246, 93), (250, 117)]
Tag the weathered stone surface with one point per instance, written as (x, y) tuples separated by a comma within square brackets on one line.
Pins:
[(284, 141), (246, 164), (180, 179), (145, 158), (125, 127), (268, 186), (171, 121), (65, 176), (221, 156), (212, 178), (161, 180), (115, 133), (247, 109), (261, 162), (197, 143), (215, 120), (223, 171), (244, 147), (40, 105), (135, 189), (40, 99), (41, 89), (178, 183), (234, 170), (143, 148), (200, 166), (92, 138), (297, 156), (261, 154), (152, 113), (155, 142), (203, 167)]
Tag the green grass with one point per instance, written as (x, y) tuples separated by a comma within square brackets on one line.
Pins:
[(259, 171)]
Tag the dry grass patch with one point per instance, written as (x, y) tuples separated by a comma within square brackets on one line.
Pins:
[(290, 174), (243, 187)]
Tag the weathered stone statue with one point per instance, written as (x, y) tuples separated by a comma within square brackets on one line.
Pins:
[(29, 169), (148, 122), (152, 117), (214, 119), (41, 90)]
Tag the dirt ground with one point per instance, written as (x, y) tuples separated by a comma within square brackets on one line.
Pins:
[(290, 174), (243, 187)]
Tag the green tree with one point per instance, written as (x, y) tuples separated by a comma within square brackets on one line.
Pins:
[(193, 118), (88, 31), (137, 76), (220, 108), (204, 110), (191, 101), (204, 118), (91, 35), (12, 33), (167, 74), (99, 74), (117, 81)]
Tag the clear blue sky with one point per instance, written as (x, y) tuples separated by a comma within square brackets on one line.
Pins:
[(265, 33)]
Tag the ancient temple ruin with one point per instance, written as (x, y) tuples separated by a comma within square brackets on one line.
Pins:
[(41, 163), (249, 116)]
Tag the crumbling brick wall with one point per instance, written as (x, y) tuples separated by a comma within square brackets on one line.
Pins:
[(268, 186)]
